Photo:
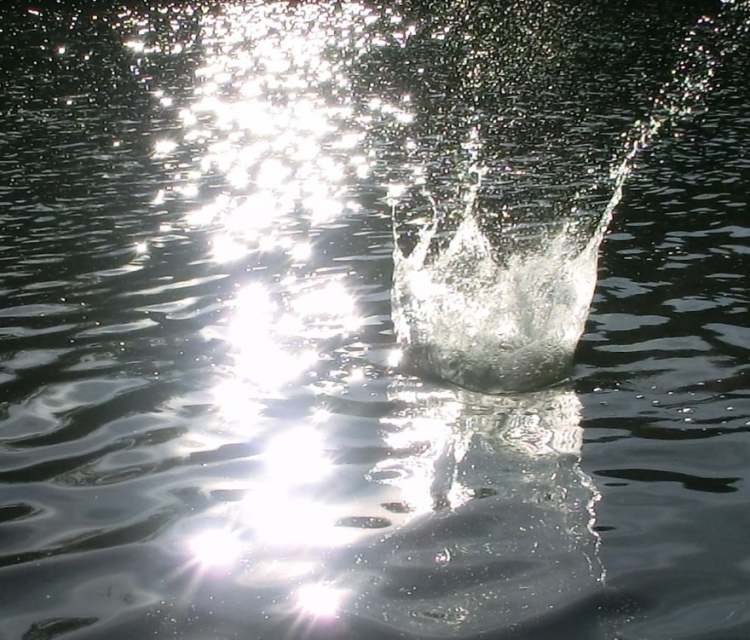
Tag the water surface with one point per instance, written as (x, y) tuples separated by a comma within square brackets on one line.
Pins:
[(205, 429)]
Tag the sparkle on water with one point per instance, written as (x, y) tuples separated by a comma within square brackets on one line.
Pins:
[(215, 548), (320, 600)]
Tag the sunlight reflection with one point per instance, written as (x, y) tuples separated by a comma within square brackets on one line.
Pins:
[(394, 357), (320, 416), (297, 457), (320, 600), (215, 548), (266, 106), (263, 164), (331, 299), (260, 356), (269, 117), (281, 517), (237, 404), (135, 45), (227, 249), (301, 251), (164, 147)]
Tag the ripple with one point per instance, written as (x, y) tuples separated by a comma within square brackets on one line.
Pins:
[(38, 310)]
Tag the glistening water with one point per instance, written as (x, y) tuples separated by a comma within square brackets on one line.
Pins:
[(215, 220)]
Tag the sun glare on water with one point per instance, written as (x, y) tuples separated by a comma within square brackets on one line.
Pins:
[(270, 118)]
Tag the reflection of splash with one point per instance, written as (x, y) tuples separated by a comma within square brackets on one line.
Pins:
[(496, 523), (439, 422)]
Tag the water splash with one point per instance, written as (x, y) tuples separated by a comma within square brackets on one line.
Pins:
[(486, 325), (510, 320)]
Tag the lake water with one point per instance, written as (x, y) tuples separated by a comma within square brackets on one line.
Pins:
[(205, 427)]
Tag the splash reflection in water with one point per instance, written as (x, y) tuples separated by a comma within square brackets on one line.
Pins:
[(488, 493)]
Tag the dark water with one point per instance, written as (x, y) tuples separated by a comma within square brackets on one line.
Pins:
[(204, 431)]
